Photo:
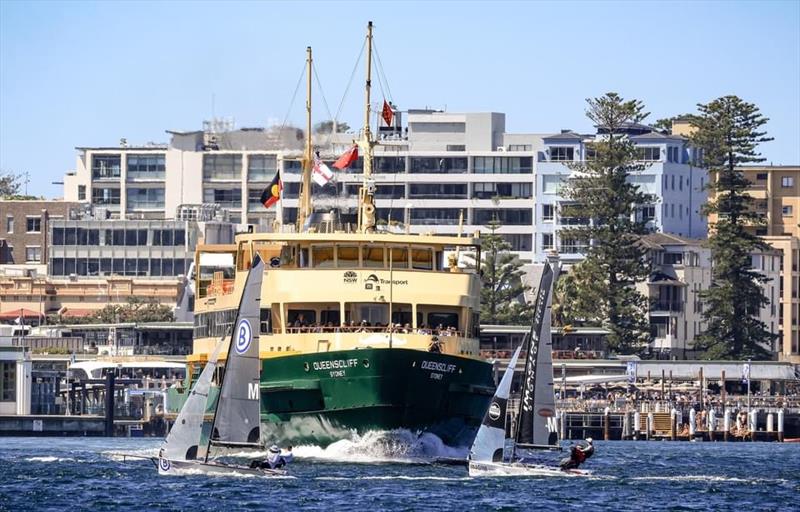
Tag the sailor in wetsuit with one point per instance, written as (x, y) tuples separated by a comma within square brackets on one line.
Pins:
[(578, 455), (275, 459)]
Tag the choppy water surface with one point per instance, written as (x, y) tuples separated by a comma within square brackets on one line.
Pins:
[(388, 472)]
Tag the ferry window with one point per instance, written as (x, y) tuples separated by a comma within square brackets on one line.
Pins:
[(266, 321), (373, 256), (422, 259), (401, 314), (374, 314), (303, 258), (347, 257), (302, 317), (444, 319), (399, 257), (322, 256), (329, 315), (287, 256)]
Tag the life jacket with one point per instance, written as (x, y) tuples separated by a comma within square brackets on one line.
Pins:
[(579, 455)]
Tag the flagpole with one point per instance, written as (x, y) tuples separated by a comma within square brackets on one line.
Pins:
[(304, 210), (366, 207)]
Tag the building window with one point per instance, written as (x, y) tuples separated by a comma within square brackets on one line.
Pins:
[(762, 176), (81, 192), (222, 167), (34, 224), (434, 165), (389, 164), (9, 224), (145, 198), (787, 181), (519, 242), (8, 381), (650, 154), (262, 167), (548, 212), (673, 258), (787, 210), (506, 216), (502, 190), (562, 154), (503, 165), (227, 198), (547, 242), (105, 196), (441, 216), (456, 147), (438, 191), (105, 166), (33, 254), (146, 166), (552, 184), (520, 147)]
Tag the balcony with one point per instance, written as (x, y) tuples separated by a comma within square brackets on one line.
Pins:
[(666, 306)]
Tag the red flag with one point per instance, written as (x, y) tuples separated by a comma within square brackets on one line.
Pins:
[(347, 159), (387, 114), (272, 193)]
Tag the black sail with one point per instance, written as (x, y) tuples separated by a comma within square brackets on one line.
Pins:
[(238, 416), (537, 400)]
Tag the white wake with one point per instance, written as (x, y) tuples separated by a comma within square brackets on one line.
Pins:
[(384, 446)]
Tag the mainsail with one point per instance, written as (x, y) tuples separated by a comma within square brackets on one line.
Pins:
[(238, 416), (184, 436), (491, 436), (537, 402)]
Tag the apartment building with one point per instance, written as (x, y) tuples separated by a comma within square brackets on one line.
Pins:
[(24, 228), (682, 269), (676, 186), (776, 194)]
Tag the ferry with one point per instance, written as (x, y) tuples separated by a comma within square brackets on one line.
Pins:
[(360, 328)]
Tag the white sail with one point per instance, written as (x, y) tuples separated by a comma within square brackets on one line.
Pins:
[(537, 403), (490, 440), (184, 437)]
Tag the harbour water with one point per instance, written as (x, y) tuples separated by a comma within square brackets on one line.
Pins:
[(389, 472)]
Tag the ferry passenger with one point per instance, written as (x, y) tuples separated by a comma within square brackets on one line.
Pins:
[(435, 347), (407, 329), (578, 455), (275, 459)]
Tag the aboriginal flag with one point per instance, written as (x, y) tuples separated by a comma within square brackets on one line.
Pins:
[(272, 193)]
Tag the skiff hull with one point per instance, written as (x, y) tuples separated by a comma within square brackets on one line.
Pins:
[(190, 467), (495, 469)]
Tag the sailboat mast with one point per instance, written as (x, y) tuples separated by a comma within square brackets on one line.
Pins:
[(366, 195), (305, 193)]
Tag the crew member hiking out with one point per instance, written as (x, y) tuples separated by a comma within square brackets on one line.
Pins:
[(274, 460), (578, 455)]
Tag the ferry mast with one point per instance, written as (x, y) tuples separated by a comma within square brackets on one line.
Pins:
[(305, 192), (366, 194)]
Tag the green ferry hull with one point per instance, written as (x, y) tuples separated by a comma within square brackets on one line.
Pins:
[(327, 396)]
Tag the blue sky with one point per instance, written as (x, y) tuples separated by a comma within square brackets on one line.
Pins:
[(87, 74)]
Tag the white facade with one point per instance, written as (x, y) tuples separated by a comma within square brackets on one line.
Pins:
[(678, 189)]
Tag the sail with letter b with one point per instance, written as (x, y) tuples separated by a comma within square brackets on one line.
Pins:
[(238, 416)]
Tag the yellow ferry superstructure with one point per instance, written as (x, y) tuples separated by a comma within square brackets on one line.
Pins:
[(358, 331)]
